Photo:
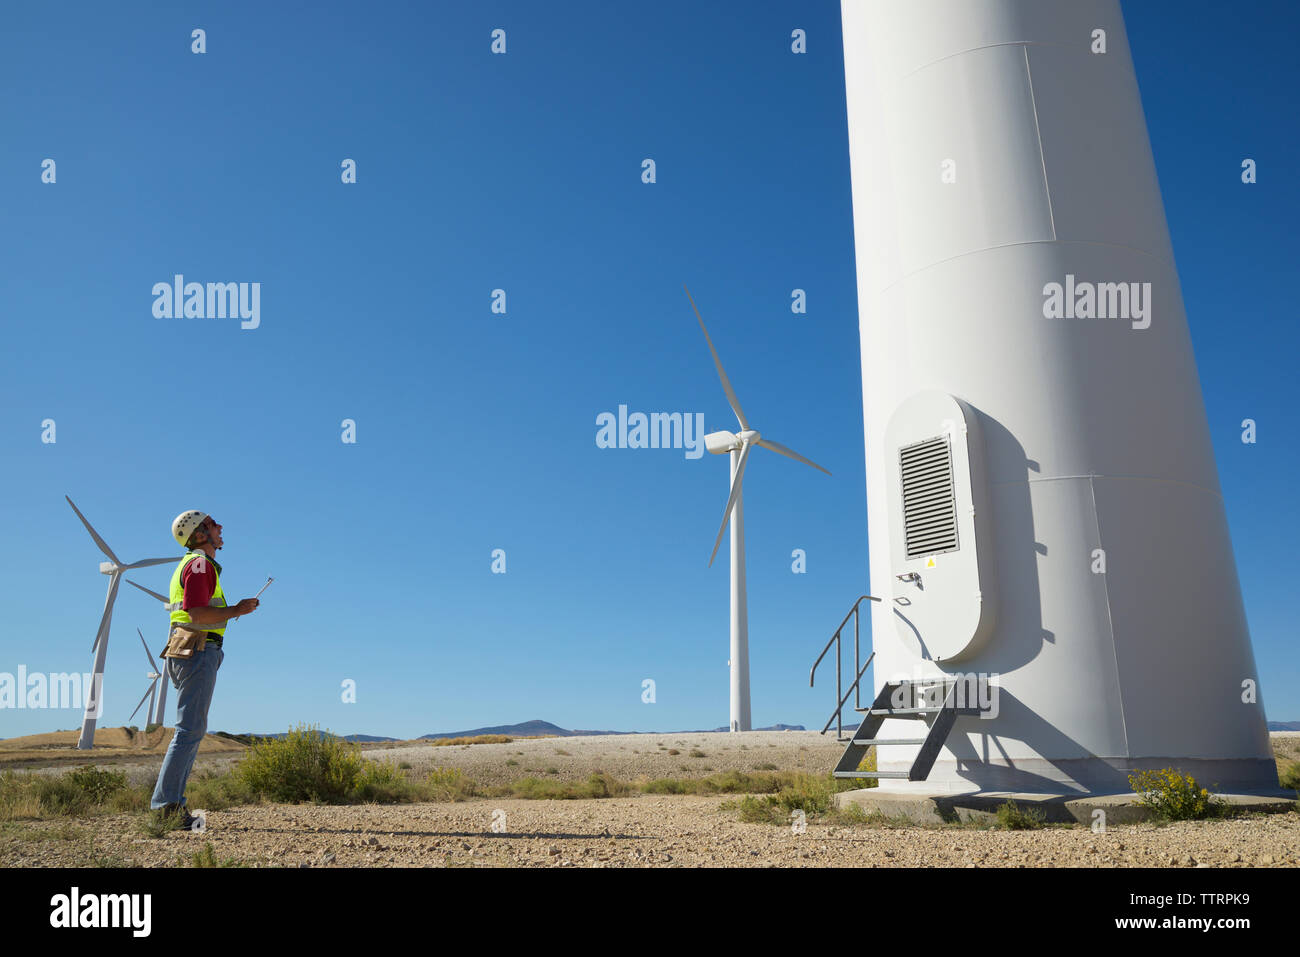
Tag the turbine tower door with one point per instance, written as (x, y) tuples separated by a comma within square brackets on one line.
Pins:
[(944, 588)]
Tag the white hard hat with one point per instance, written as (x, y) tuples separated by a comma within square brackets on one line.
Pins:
[(186, 523)]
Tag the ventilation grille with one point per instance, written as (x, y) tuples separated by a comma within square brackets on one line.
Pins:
[(929, 502)]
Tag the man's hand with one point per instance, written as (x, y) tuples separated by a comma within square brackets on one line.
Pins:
[(216, 614)]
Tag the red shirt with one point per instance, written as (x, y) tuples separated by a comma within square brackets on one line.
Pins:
[(198, 586)]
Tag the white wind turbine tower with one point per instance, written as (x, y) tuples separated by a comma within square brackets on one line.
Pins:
[(157, 700), (114, 569), (739, 446)]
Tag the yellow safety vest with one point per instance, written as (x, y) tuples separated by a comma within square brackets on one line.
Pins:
[(218, 600)]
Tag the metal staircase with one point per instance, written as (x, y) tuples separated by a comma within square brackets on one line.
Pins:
[(936, 701), (930, 697)]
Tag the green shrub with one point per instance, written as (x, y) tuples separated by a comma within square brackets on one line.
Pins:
[(1290, 778), (305, 765), (382, 782), (130, 800), (812, 794), (759, 810), (450, 784), (83, 790), (97, 784), (854, 814), (1012, 817), (1173, 796), (670, 786), (598, 785), (207, 857), (217, 791)]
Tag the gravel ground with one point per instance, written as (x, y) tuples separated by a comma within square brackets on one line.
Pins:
[(645, 831), (627, 756)]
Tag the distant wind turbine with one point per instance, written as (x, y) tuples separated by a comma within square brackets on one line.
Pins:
[(738, 445), (160, 714), (154, 714), (114, 569)]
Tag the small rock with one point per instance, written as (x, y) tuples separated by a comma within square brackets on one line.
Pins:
[(329, 858)]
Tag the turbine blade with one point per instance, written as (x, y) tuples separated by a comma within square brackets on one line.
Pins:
[(726, 383), (731, 502), (151, 561), (103, 546), (106, 622), (789, 453), (145, 698), (146, 649), (148, 592)]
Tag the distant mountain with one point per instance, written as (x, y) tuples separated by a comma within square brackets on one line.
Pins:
[(526, 729), (1284, 726), (539, 727), (248, 736)]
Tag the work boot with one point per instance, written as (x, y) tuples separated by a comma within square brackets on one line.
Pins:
[(180, 812)]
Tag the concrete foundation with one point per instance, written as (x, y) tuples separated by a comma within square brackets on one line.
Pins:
[(934, 807)]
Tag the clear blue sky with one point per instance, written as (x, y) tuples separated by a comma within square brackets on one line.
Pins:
[(477, 431)]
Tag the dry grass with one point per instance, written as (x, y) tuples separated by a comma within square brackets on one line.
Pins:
[(476, 739)]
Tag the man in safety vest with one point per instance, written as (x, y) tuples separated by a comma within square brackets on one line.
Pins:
[(199, 614)]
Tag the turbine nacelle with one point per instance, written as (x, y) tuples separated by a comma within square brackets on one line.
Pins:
[(720, 443), (107, 568)]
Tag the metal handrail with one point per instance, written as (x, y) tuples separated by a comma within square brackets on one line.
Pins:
[(840, 694)]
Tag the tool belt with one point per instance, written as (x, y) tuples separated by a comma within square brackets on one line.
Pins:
[(183, 643)]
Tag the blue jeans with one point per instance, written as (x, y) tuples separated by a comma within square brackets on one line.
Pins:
[(194, 678)]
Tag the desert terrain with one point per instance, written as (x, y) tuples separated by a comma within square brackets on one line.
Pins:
[(646, 830)]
